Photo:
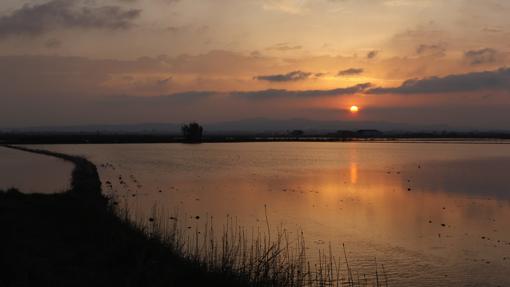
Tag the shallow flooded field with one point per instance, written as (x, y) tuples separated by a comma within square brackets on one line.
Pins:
[(32, 173), (435, 214)]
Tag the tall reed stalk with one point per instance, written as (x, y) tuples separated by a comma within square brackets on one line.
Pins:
[(256, 256)]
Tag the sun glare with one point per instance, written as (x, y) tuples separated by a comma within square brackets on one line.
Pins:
[(354, 109)]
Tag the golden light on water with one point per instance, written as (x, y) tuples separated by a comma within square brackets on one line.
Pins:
[(354, 172)]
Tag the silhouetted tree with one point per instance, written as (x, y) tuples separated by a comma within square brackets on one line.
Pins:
[(192, 132)]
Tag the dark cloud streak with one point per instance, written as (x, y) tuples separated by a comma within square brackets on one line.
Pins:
[(482, 56), (281, 93), (350, 72), (289, 77), (470, 82), (37, 19)]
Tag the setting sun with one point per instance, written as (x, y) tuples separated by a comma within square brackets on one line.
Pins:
[(354, 109)]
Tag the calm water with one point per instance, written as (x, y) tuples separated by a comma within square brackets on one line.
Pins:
[(32, 173), (434, 214)]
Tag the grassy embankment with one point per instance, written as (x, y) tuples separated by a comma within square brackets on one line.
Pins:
[(77, 239), (81, 238)]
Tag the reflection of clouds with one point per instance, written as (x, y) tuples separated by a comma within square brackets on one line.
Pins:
[(476, 177)]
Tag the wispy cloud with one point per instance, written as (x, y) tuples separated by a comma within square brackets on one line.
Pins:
[(350, 72), (284, 47), (482, 56), (437, 50), (289, 77)]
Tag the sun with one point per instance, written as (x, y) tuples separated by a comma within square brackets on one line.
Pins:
[(354, 109)]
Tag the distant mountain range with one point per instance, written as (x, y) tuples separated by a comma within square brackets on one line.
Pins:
[(246, 126)]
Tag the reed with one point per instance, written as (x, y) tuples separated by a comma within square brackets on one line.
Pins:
[(259, 256), (161, 249)]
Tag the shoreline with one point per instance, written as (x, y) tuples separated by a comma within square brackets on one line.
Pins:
[(82, 238), (76, 238), (85, 182), (487, 141)]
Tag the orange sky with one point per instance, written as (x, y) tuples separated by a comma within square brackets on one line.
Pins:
[(127, 61)]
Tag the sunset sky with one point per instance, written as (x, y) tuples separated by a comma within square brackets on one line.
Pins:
[(424, 62)]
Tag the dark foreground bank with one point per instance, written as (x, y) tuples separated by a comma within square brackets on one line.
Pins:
[(76, 239)]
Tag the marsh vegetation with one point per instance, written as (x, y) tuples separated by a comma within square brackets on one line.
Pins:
[(82, 238)]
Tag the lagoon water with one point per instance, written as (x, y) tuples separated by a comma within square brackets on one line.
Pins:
[(435, 214), (33, 173)]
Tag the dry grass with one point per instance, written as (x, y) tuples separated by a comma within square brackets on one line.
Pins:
[(260, 256), (161, 250)]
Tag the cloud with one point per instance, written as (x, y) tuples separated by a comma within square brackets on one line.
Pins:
[(37, 19), (482, 56), (289, 77), (350, 72), (437, 50), (372, 54), (470, 82), (284, 47), (274, 93)]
